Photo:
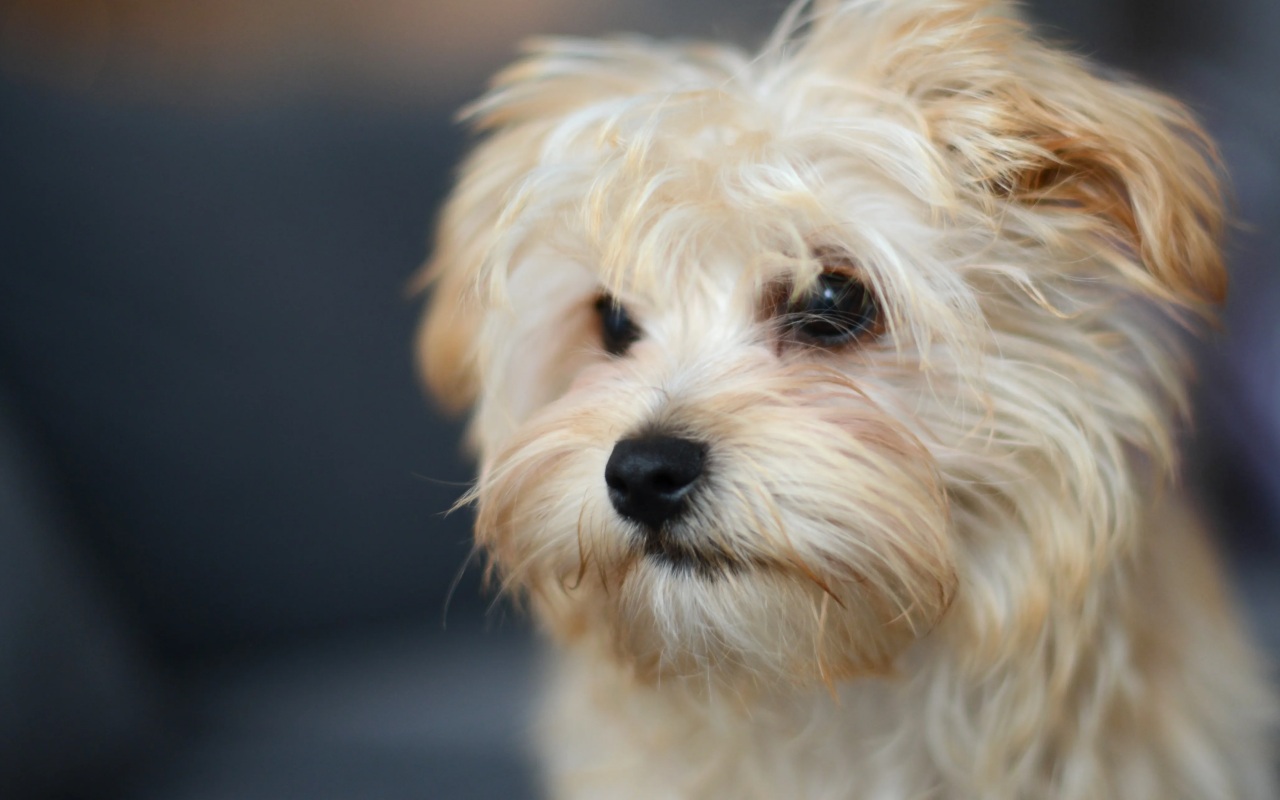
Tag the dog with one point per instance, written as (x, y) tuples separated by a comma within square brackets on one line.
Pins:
[(827, 402)]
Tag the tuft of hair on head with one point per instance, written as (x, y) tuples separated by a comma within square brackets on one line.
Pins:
[(1026, 136)]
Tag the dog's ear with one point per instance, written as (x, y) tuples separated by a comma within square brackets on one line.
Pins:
[(1121, 165), (449, 335), (1030, 129), (1099, 158)]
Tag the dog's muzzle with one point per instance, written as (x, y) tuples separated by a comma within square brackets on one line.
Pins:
[(651, 477)]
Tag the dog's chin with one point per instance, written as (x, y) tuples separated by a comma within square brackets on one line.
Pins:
[(686, 613), (691, 604)]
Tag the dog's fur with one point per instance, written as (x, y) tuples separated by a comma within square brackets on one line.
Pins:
[(947, 560)]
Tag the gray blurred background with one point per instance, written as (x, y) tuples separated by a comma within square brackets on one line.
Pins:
[(223, 556)]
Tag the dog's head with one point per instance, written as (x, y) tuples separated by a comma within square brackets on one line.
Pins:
[(780, 362)]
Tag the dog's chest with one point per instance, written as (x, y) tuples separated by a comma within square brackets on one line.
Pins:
[(603, 740)]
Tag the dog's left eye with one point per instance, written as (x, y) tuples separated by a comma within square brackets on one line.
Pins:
[(617, 331), (838, 308)]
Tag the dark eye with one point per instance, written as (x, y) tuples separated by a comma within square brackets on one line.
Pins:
[(617, 331), (836, 309)]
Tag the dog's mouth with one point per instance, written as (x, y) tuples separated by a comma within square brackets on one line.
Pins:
[(671, 550)]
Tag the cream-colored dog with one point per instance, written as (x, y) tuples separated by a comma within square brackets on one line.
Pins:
[(827, 402)]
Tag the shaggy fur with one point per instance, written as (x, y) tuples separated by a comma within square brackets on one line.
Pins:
[(946, 560)]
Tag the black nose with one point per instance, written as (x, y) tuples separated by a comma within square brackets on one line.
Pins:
[(650, 477)]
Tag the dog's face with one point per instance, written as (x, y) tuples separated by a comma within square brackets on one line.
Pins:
[(782, 363)]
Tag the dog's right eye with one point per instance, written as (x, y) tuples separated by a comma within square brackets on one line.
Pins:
[(617, 331)]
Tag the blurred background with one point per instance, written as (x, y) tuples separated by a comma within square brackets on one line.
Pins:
[(224, 563)]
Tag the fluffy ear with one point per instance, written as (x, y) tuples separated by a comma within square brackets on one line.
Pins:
[(1110, 160), (448, 336), (1032, 129)]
